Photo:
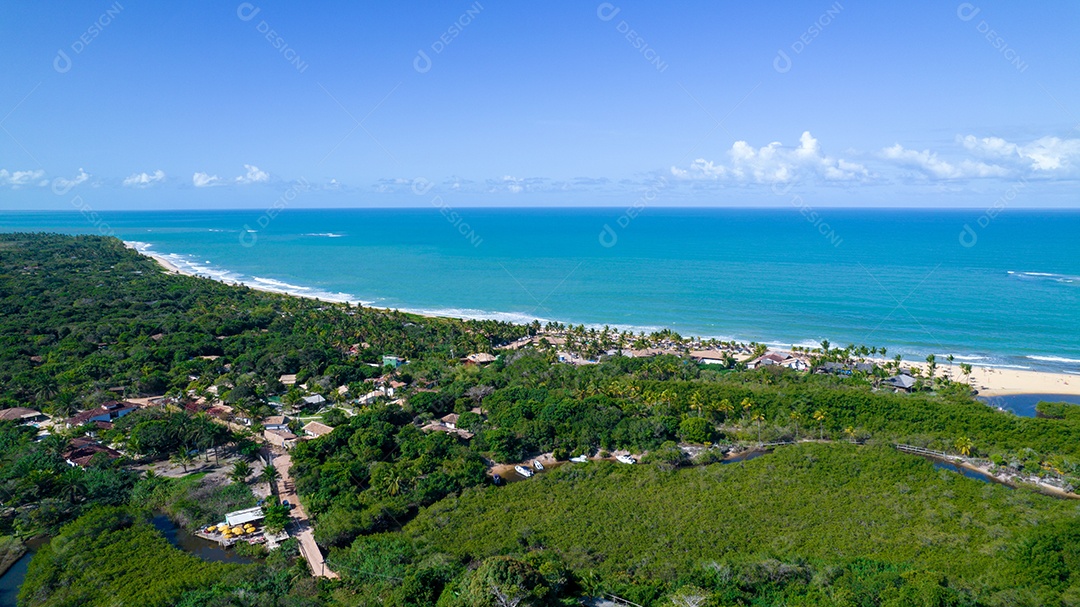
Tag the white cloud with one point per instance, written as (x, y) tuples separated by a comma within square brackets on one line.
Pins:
[(254, 175), (203, 180), (144, 180), (774, 163), (1047, 154), (16, 179), (931, 165), (67, 184)]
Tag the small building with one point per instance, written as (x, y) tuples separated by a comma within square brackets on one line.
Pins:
[(248, 515), (314, 400), (288, 379), (280, 438), (107, 412), (276, 422), (450, 420), (393, 361), (901, 382), (22, 415), (710, 357), (317, 429), (479, 358), (82, 450), (440, 427)]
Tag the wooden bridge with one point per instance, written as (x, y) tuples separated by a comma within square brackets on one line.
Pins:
[(923, 451)]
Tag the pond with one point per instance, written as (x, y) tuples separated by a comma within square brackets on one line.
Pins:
[(1024, 404), (13, 577), (193, 544)]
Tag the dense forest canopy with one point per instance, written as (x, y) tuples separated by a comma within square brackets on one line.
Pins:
[(410, 516)]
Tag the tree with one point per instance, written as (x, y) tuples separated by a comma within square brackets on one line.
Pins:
[(275, 516), (241, 470), (726, 408), (796, 417), (819, 417), (182, 458), (850, 433), (758, 418), (696, 430), (270, 475), (964, 445)]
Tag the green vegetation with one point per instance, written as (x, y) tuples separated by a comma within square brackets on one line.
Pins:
[(192, 501), (11, 550), (114, 556), (409, 517)]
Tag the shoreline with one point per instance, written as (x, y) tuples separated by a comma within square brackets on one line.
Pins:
[(990, 381)]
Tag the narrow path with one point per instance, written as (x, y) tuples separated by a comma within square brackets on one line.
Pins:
[(304, 532)]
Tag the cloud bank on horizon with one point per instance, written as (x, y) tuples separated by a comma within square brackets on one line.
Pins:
[(363, 103)]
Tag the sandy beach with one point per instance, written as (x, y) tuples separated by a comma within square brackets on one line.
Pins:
[(989, 381), (997, 381)]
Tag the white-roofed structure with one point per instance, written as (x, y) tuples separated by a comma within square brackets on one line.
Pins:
[(240, 517)]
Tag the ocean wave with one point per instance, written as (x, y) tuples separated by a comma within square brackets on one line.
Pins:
[(1054, 359), (963, 357), (324, 234), (278, 286), (1062, 278)]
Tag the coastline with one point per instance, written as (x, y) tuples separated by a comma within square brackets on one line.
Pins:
[(988, 380)]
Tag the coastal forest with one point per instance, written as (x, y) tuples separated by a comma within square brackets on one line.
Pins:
[(763, 486)]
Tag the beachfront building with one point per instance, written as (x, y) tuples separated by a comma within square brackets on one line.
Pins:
[(901, 382), (780, 360)]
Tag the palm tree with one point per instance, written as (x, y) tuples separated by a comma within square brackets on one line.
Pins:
[(270, 475), (964, 445), (758, 418), (966, 370), (747, 404), (240, 472), (796, 417), (183, 458), (726, 408), (819, 416), (850, 432), (931, 366)]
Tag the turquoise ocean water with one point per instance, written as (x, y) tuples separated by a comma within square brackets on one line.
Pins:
[(1003, 290)]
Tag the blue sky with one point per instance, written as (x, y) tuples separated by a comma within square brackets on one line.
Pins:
[(222, 105)]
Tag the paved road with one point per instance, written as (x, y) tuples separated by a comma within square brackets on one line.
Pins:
[(303, 530)]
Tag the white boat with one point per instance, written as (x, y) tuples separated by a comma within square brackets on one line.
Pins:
[(626, 459), (537, 464), (523, 471), (579, 459)]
